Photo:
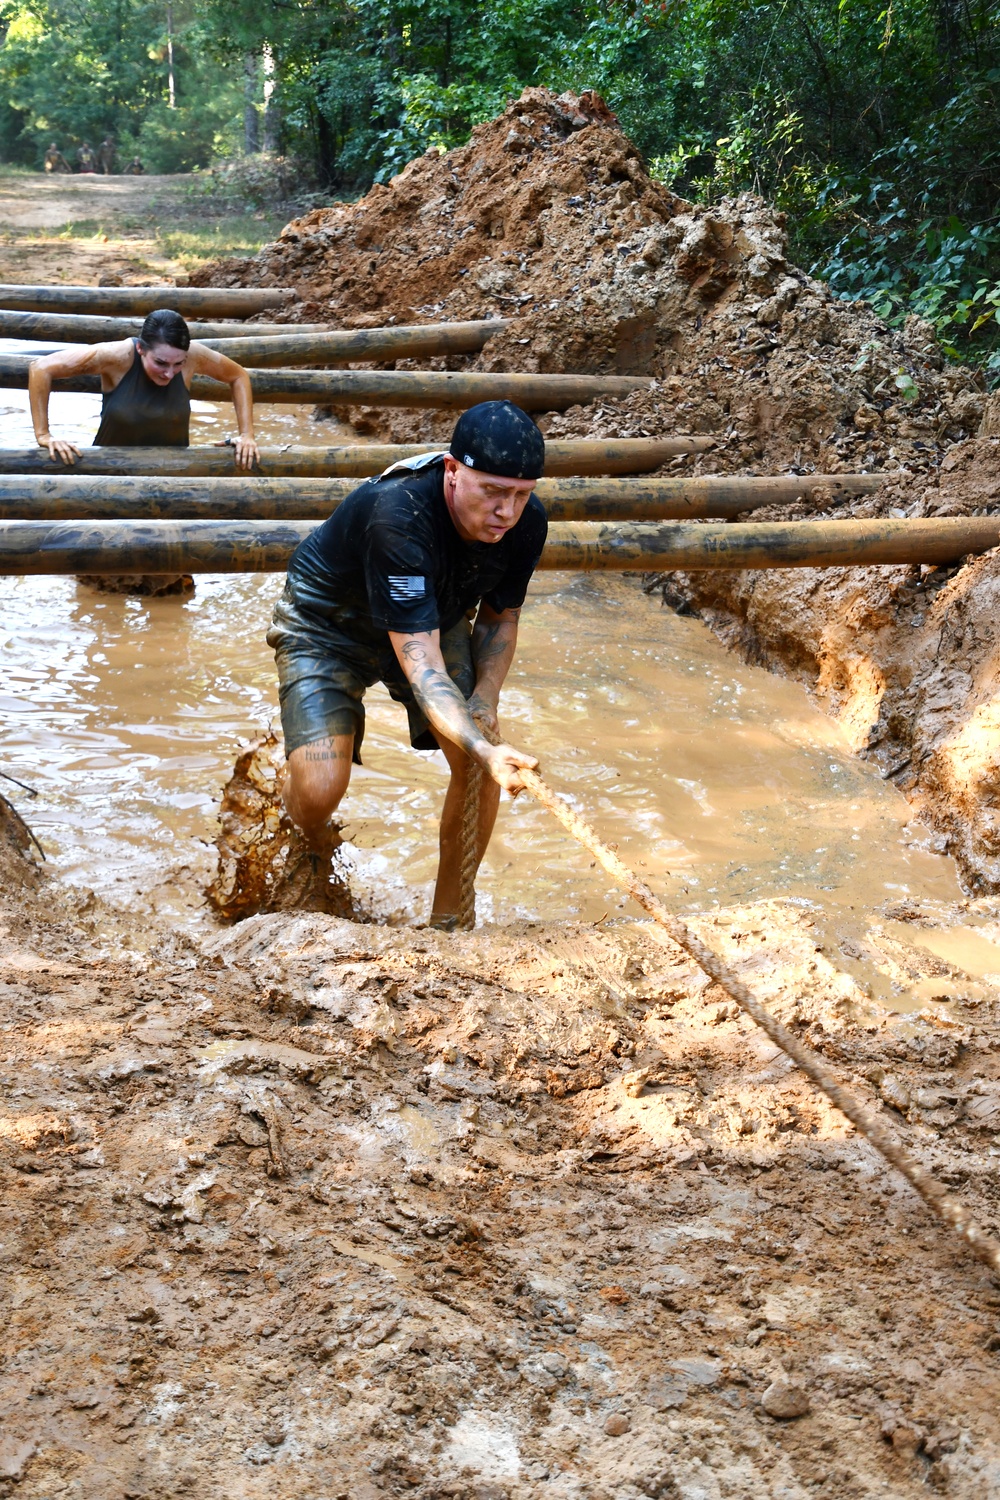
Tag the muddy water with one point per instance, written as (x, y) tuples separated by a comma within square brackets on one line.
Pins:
[(720, 782)]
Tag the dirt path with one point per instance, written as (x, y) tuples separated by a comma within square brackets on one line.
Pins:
[(82, 228), (32, 200)]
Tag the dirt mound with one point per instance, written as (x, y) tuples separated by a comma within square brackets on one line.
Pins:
[(19, 851), (549, 218)]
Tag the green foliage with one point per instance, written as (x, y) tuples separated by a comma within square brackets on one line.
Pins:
[(189, 136), (73, 72), (873, 123), (262, 181)]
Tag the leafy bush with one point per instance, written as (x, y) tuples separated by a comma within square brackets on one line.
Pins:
[(179, 140), (262, 181)]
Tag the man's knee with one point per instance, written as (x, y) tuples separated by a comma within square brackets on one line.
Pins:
[(318, 778)]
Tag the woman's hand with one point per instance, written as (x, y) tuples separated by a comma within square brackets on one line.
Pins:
[(247, 452), (58, 448)]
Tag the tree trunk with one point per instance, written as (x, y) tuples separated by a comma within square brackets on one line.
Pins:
[(171, 89), (272, 114), (251, 122)]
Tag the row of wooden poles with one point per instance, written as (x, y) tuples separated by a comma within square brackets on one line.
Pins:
[(113, 547), (78, 497), (184, 510)]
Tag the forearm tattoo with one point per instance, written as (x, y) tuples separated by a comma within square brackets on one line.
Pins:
[(441, 700), (492, 642)]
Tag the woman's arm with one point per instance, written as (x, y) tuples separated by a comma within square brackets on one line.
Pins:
[(205, 361), (89, 359)]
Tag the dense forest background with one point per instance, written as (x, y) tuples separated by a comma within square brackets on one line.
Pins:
[(874, 123)]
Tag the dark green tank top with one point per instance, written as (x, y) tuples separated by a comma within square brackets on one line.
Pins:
[(140, 414)]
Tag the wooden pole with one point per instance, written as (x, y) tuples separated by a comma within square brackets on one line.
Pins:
[(362, 460), (436, 389), (131, 301), (660, 499), (79, 328), (768, 544), (350, 345), (42, 547), (68, 496)]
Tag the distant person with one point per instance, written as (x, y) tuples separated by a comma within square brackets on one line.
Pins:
[(85, 159), (135, 168), (146, 384), (55, 161), (106, 156)]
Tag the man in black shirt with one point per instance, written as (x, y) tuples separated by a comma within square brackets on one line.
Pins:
[(383, 590)]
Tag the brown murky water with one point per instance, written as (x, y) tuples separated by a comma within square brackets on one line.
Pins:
[(718, 781)]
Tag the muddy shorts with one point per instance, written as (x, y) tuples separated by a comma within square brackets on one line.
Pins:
[(323, 675)]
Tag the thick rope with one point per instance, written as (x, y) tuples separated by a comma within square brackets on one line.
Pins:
[(947, 1208)]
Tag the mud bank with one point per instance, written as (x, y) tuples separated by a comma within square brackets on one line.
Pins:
[(326, 1211), (549, 218)]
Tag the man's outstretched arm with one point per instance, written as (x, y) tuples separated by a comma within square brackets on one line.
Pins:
[(447, 711)]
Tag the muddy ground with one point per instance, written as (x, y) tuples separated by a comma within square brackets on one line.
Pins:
[(326, 1210), (315, 1209)]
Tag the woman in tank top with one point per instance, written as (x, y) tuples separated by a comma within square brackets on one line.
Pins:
[(146, 384)]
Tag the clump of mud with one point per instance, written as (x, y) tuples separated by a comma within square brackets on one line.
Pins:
[(142, 585), (264, 863), (19, 849)]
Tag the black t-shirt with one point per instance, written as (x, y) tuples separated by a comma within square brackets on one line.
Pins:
[(389, 558)]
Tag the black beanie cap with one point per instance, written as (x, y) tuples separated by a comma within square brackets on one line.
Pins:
[(497, 437)]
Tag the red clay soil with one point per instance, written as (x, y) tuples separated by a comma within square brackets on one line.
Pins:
[(318, 1211), (549, 218)]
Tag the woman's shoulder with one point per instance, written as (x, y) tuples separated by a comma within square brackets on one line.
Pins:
[(113, 355)]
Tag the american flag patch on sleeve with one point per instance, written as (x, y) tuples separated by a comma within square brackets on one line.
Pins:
[(405, 586)]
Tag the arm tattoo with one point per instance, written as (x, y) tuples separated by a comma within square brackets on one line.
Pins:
[(488, 645), (415, 651), (442, 700)]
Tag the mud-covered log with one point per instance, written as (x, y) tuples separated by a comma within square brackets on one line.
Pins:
[(81, 328), (40, 547), (349, 345), (70, 496), (767, 544), (716, 495), (272, 345), (418, 388), (103, 547), (360, 460), (132, 301), (91, 497)]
